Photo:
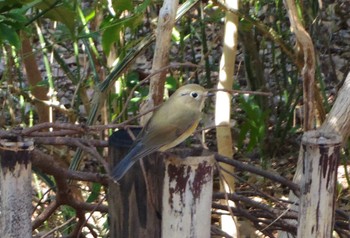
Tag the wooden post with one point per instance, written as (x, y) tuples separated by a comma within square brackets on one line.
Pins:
[(15, 189), (187, 197), (134, 206), (320, 160)]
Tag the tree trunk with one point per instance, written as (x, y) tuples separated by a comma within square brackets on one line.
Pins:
[(34, 77), (15, 189)]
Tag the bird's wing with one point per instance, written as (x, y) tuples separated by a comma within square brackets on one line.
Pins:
[(160, 134)]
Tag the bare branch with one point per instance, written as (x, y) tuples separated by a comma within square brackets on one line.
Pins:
[(47, 164), (246, 167)]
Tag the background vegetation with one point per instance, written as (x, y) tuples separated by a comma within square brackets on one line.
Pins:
[(84, 62)]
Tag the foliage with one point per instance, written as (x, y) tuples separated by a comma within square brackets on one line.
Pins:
[(92, 59), (117, 23), (10, 23), (254, 124)]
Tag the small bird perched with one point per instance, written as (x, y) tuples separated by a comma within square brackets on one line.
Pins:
[(171, 123)]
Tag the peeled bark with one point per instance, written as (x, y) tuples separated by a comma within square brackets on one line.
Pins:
[(320, 160), (187, 197)]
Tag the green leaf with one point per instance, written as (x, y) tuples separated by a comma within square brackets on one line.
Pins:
[(109, 36), (135, 99), (8, 5), (15, 19), (242, 134), (9, 35), (175, 35), (46, 179), (122, 5), (94, 35), (245, 25), (171, 83), (142, 7), (143, 91), (67, 211), (132, 79), (90, 16), (112, 27), (96, 189), (43, 83), (61, 13)]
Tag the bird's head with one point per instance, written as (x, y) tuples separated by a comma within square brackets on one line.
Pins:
[(191, 95)]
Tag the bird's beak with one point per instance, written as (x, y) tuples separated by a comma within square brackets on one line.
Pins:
[(209, 94)]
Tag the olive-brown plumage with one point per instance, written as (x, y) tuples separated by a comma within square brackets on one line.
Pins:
[(174, 121)]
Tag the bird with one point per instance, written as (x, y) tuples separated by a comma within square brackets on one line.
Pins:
[(171, 123)]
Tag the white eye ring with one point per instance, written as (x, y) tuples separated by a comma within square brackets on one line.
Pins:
[(194, 94)]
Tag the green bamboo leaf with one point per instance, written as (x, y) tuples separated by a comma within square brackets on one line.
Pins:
[(109, 36), (58, 11), (96, 189), (9, 35), (142, 7), (122, 5), (113, 27), (8, 5)]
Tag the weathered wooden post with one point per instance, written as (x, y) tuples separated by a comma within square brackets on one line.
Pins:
[(15, 189), (320, 160), (187, 197), (134, 206)]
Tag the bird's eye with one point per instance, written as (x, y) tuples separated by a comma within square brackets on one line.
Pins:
[(194, 94)]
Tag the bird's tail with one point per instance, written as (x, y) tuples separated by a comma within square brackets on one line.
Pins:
[(127, 162)]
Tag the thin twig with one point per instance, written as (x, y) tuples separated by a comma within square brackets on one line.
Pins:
[(90, 215), (42, 217), (278, 218), (246, 167), (92, 151), (268, 94), (54, 125), (223, 181), (58, 227)]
